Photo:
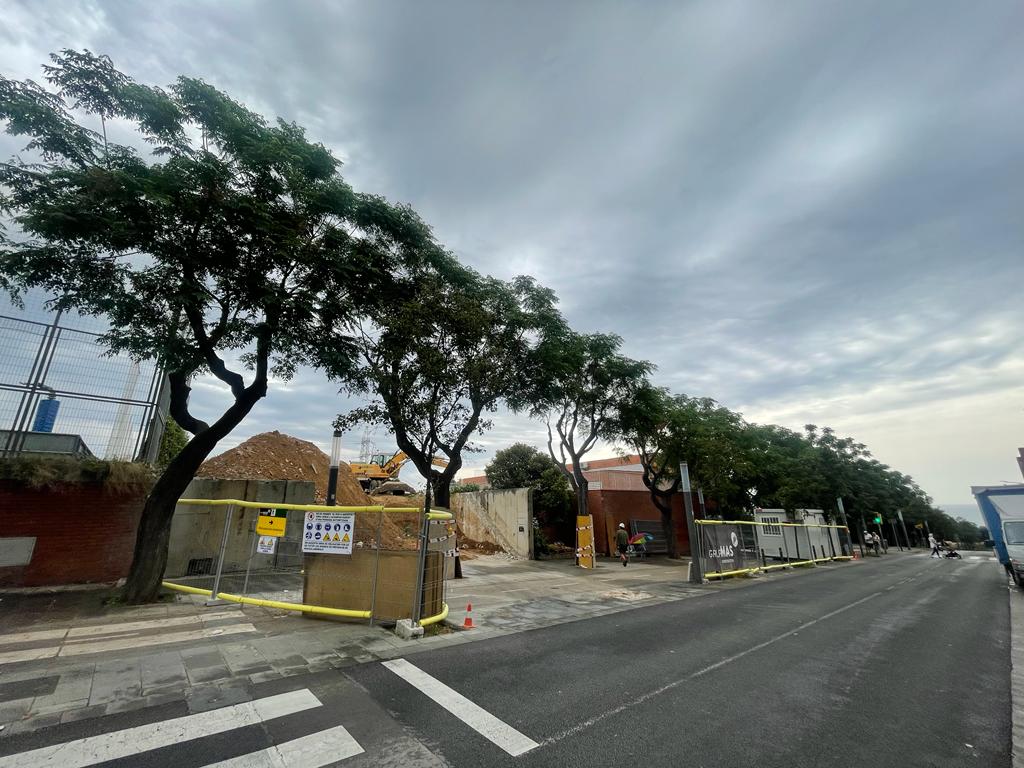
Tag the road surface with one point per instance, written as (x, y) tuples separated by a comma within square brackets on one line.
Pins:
[(902, 661)]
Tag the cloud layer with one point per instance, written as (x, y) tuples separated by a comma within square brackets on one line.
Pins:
[(810, 211)]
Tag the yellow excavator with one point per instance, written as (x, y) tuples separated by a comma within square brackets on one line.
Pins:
[(381, 469)]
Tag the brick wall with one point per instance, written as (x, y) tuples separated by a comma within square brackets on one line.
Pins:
[(609, 508), (83, 533)]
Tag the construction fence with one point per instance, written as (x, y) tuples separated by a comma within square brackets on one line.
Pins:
[(376, 563), (737, 547)]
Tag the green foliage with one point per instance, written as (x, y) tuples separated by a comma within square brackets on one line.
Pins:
[(54, 472), (445, 353), (522, 466), (173, 440), (579, 384), (464, 487)]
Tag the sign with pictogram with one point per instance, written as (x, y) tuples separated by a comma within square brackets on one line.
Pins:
[(266, 545), (272, 522), (328, 532)]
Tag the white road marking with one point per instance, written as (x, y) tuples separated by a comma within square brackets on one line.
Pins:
[(140, 626), (700, 673), (31, 654), (133, 741), (313, 751), (33, 636), (124, 643), (477, 718)]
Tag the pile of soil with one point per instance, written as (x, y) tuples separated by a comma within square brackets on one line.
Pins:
[(469, 548), (275, 456)]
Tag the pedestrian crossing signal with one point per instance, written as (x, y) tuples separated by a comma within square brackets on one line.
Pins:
[(878, 518)]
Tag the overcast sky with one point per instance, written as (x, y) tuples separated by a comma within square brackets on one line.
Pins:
[(810, 211)]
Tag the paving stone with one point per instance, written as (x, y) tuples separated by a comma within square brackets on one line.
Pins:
[(163, 669), (116, 681), (32, 724), (26, 689), (208, 674), (14, 710), (206, 697), (83, 713), (263, 677)]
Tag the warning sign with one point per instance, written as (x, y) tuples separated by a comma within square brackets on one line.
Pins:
[(272, 522), (266, 545), (328, 532)]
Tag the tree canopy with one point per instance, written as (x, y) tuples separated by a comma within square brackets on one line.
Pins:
[(226, 248)]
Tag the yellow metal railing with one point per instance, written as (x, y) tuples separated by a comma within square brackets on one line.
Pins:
[(788, 564)]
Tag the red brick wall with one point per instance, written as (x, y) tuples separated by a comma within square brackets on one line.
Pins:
[(609, 508), (83, 534)]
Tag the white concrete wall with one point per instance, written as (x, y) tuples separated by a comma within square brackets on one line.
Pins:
[(502, 517)]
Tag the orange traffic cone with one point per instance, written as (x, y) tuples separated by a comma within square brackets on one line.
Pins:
[(467, 623)]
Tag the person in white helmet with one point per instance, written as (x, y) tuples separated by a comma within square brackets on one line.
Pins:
[(622, 544)]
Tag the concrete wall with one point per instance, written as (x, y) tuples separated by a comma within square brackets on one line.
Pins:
[(74, 533), (501, 517), (196, 530)]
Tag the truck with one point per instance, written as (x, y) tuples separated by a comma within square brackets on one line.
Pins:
[(1002, 508)]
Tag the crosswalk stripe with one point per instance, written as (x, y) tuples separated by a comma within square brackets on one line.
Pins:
[(476, 717), (143, 738), (141, 626), (313, 751), (124, 643)]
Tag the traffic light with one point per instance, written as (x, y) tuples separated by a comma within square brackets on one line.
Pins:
[(877, 519)]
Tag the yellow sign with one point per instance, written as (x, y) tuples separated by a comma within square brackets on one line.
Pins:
[(272, 522)]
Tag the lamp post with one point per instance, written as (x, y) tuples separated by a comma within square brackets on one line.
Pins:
[(332, 475)]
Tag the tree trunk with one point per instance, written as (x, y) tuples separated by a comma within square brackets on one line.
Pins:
[(150, 557), (443, 492), (582, 505), (667, 524)]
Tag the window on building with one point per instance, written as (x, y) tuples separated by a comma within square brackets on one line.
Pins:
[(771, 530)]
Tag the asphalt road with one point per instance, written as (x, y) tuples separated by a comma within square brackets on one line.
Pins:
[(902, 661)]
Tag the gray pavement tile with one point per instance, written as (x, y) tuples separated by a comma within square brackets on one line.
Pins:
[(262, 677), (14, 710), (23, 689), (208, 674), (116, 681), (32, 724), (197, 658), (83, 713), (161, 669)]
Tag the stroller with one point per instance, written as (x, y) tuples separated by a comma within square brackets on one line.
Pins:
[(949, 550)]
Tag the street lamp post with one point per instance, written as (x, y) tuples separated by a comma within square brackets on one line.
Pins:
[(332, 475)]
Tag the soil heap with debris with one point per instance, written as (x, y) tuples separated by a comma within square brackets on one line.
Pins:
[(276, 456)]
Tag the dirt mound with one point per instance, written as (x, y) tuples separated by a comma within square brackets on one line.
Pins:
[(275, 456)]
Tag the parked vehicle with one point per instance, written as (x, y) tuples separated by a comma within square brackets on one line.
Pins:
[(1002, 507)]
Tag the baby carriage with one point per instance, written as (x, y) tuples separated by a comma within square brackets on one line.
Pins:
[(949, 550), (638, 545)]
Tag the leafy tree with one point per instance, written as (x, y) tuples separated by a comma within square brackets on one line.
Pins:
[(518, 466), (523, 466), (447, 353), (172, 442), (230, 240), (580, 383)]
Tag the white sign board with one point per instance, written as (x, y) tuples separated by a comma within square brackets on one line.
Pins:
[(266, 545), (328, 532)]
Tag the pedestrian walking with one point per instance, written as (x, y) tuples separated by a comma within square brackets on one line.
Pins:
[(934, 545), (869, 541), (622, 544)]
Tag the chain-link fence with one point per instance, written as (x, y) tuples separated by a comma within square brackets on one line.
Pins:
[(735, 547), (61, 392), (376, 563)]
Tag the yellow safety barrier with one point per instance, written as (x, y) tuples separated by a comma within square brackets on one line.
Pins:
[(300, 607), (431, 515)]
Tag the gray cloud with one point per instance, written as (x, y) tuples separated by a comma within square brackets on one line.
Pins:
[(810, 211)]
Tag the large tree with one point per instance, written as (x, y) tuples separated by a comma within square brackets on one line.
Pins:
[(443, 355), (523, 466), (580, 383), (224, 249)]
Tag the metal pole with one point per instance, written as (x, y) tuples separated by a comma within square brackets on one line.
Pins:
[(785, 542), (903, 525), (696, 571), (40, 367), (376, 566), (229, 512), (895, 535), (332, 474), (810, 546), (252, 554), (417, 605), (842, 515)]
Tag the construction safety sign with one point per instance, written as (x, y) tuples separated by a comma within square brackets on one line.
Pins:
[(329, 533), (265, 545), (272, 522)]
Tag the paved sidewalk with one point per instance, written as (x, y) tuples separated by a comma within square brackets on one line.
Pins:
[(67, 656)]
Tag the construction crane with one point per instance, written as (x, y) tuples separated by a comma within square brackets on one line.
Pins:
[(381, 469)]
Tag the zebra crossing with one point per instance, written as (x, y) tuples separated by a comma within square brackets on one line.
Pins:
[(325, 746)]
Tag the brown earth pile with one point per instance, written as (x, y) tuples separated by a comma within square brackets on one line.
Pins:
[(275, 456)]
